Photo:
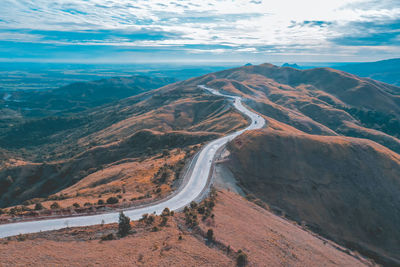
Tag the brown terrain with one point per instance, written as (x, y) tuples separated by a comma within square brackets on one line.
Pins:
[(143, 127), (327, 159), (270, 241), (329, 156)]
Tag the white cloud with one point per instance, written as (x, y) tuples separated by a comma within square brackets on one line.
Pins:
[(244, 24)]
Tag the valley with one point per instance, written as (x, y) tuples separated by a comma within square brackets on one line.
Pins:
[(327, 158)]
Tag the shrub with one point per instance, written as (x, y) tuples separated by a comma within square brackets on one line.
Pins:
[(112, 200), (21, 237), (155, 229), (193, 204), (100, 202), (166, 212), (39, 206), (164, 221), (210, 235), (54, 206), (241, 259), (165, 153), (201, 210), (87, 204), (108, 237), (124, 225), (144, 217), (76, 205), (150, 219)]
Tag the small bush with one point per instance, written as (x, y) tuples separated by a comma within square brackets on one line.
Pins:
[(87, 204), (39, 206), (54, 206), (201, 210), (100, 202), (76, 205), (150, 219), (108, 237), (21, 237), (144, 217), (124, 225), (166, 212), (193, 204), (164, 221), (112, 200), (210, 235)]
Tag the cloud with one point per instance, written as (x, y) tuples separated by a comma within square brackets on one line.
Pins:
[(371, 33), (225, 27)]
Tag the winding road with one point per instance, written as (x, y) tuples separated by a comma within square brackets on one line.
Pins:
[(191, 190)]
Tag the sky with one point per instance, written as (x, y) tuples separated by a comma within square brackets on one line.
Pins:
[(202, 31)]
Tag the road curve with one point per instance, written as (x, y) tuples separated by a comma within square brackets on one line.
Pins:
[(187, 193)]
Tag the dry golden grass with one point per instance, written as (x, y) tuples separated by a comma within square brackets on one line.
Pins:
[(267, 240)]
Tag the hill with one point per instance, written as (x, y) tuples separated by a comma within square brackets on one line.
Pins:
[(345, 189), (385, 70), (79, 96), (327, 129), (55, 153), (330, 155)]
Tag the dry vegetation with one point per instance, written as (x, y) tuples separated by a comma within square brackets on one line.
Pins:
[(114, 138), (342, 188), (222, 238)]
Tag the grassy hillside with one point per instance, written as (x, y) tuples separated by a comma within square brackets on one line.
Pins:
[(270, 241), (346, 189), (56, 153)]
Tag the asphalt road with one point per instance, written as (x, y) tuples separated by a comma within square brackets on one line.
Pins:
[(189, 191)]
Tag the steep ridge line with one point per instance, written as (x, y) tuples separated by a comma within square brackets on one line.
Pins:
[(189, 191)]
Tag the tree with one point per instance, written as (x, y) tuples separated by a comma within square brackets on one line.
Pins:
[(241, 259), (124, 225), (100, 202), (39, 206)]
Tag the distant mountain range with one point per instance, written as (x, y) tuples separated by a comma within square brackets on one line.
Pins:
[(79, 96), (387, 71)]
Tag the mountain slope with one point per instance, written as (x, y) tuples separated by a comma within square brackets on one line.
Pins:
[(346, 189), (317, 101), (330, 157), (58, 155)]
